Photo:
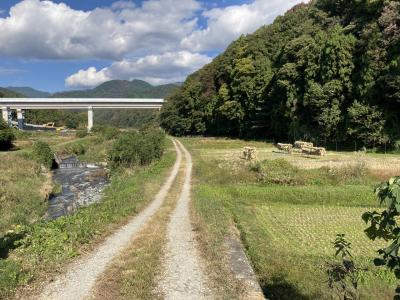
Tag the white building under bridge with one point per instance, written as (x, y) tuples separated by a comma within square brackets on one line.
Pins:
[(91, 104)]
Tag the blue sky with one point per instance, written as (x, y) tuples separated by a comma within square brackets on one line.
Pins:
[(72, 44)]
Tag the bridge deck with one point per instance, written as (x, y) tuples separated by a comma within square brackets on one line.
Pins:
[(77, 103)]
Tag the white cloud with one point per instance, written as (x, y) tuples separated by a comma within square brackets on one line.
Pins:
[(87, 78), (156, 69), (158, 40), (226, 24), (47, 30)]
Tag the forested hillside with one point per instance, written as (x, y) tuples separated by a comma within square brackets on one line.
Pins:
[(326, 71), (29, 92), (6, 93), (121, 89)]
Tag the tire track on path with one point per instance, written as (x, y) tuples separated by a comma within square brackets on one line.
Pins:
[(81, 276), (183, 276)]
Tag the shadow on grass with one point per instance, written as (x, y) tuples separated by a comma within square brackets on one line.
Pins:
[(278, 288), (9, 242), (6, 147)]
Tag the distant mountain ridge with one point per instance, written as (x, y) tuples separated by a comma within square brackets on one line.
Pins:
[(29, 92), (122, 89), (110, 89), (6, 93)]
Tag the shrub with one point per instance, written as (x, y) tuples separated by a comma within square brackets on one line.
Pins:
[(278, 171), (3, 125), (81, 133), (137, 148), (97, 128), (6, 136), (76, 149), (106, 132), (43, 154), (110, 133)]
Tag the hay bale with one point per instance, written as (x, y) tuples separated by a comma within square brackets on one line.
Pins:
[(301, 145), (285, 147), (250, 153), (317, 151)]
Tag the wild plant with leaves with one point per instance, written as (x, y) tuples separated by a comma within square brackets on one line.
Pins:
[(343, 276), (384, 225)]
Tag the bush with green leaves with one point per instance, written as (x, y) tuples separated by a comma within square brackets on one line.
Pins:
[(106, 132), (76, 149), (7, 136), (81, 133), (110, 133), (137, 148), (384, 225), (43, 154)]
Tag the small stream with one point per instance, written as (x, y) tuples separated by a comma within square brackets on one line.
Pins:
[(81, 185)]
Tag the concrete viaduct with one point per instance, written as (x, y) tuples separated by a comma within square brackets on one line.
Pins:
[(21, 104)]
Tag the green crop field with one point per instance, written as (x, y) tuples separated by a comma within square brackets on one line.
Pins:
[(288, 226)]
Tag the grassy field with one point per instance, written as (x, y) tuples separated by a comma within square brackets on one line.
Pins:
[(22, 199), (288, 210)]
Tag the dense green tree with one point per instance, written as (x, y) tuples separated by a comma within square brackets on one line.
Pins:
[(366, 123)]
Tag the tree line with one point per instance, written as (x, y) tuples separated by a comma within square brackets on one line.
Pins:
[(325, 71)]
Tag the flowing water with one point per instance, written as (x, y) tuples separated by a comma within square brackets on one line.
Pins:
[(81, 185)]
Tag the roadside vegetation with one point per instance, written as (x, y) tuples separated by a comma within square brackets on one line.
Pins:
[(42, 154), (288, 215), (137, 148), (32, 249), (7, 136), (21, 191)]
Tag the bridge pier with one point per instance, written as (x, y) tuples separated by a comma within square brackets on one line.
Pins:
[(21, 119), (90, 118), (6, 114)]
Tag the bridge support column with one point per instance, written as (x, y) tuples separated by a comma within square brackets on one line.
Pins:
[(21, 119), (6, 114), (90, 118)]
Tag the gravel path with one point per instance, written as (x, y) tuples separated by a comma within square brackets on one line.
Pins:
[(81, 276), (183, 277)]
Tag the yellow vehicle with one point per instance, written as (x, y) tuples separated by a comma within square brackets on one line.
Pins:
[(48, 125)]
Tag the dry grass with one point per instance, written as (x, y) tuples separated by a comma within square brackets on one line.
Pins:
[(229, 153), (47, 187), (23, 191), (212, 230)]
